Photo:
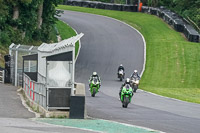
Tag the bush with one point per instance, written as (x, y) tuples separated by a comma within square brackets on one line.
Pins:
[(4, 39)]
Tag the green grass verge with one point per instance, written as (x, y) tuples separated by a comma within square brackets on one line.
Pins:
[(173, 64), (65, 32)]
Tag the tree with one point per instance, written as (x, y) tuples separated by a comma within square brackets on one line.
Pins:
[(22, 21), (39, 13)]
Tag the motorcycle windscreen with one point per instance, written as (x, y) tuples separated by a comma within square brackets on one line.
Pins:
[(59, 73)]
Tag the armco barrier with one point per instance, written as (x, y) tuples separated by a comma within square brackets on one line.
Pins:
[(74, 3), (191, 34), (178, 23), (117, 7), (100, 5), (129, 8), (168, 16), (109, 6), (145, 9), (79, 3), (85, 4), (93, 4), (153, 11)]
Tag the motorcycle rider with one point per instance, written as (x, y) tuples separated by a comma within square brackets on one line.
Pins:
[(127, 82), (135, 75), (120, 67), (94, 75)]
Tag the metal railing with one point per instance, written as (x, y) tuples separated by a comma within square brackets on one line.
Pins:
[(35, 90), (2, 72)]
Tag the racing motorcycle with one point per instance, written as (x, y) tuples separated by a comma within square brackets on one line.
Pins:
[(121, 74), (94, 86), (126, 95), (134, 83)]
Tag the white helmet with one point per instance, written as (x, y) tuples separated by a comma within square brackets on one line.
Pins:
[(135, 71), (121, 65), (94, 73)]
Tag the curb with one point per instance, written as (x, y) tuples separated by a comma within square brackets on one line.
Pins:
[(100, 123), (34, 119)]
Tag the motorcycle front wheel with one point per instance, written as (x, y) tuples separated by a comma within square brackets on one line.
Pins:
[(125, 102), (94, 92)]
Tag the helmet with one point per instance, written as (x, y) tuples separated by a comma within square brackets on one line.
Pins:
[(94, 74), (127, 81), (135, 71), (121, 65)]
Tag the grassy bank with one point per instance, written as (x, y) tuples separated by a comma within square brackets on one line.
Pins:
[(65, 32), (172, 67)]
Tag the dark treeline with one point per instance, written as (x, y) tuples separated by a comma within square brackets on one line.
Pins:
[(26, 21)]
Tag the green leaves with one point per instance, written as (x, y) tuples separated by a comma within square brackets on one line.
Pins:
[(25, 27)]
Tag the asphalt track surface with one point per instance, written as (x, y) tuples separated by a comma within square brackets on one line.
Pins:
[(108, 43)]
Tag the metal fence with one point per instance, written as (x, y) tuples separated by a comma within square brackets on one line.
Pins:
[(2, 76), (36, 90), (17, 52)]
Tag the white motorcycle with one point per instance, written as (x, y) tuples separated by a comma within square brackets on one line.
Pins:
[(134, 83), (121, 74)]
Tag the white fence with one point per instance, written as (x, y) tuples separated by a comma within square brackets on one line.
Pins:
[(2, 76), (36, 91)]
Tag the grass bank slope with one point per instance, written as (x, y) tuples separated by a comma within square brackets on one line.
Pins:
[(65, 32), (173, 63)]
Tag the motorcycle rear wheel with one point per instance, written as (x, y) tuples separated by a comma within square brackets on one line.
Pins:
[(135, 88)]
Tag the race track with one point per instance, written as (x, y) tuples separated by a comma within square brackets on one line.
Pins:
[(106, 44)]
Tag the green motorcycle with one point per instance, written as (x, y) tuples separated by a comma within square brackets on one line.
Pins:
[(126, 95), (94, 86)]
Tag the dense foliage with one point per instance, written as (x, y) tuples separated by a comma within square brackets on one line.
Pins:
[(26, 21)]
